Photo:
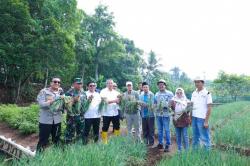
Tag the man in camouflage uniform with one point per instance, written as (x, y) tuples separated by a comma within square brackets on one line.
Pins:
[(75, 118)]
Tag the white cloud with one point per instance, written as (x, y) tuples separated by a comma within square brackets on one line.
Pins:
[(196, 35)]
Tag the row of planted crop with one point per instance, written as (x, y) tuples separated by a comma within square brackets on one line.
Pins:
[(235, 132), (206, 158), (222, 113), (120, 151)]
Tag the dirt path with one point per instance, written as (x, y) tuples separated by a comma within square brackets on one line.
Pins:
[(24, 140), (154, 155)]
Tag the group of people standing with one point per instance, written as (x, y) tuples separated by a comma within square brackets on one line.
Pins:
[(140, 108)]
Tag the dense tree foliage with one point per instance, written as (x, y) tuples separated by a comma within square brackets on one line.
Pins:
[(40, 39), (232, 85)]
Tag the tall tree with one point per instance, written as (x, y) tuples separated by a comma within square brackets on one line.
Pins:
[(100, 28), (176, 73), (152, 66)]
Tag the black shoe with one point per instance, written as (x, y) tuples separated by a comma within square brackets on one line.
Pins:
[(151, 144), (167, 148), (160, 146)]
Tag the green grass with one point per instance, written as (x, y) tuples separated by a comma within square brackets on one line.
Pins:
[(3, 160), (120, 151), (206, 158), (25, 119), (236, 132)]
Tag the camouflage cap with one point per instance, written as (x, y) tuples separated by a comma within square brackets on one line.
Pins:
[(78, 80)]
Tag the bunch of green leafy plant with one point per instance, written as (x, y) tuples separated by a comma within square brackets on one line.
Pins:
[(25, 119), (103, 105), (130, 104)]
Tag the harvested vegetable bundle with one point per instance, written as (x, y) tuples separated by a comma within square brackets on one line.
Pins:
[(85, 105), (122, 102), (150, 104), (189, 107), (161, 106), (131, 105), (103, 105), (68, 102), (61, 103)]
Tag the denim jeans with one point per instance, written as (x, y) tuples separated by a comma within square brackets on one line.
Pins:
[(181, 133), (163, 126), (200, 133)]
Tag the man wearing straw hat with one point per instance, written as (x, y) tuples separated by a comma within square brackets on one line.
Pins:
[(162, 100)]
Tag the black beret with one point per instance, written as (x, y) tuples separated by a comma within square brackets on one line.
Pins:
[(144, 83)]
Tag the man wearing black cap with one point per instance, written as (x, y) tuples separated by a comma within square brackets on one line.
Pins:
[(147, 113), (75, 119)]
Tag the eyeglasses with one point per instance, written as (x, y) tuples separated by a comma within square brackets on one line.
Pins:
[(91, 85), (56, 82)]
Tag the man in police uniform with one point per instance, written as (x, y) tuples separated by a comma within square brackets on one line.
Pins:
[(75, 119), (49, 122), (202, 103)]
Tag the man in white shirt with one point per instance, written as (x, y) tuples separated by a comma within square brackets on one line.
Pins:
[(202, 103), (92, 115), (110, 114)]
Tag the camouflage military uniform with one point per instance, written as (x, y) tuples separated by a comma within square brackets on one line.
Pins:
[(75, 118)]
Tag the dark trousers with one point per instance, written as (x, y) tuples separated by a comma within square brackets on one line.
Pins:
[(45, 130), (106, 122), (148, 129), (74, 127), (95, 124)]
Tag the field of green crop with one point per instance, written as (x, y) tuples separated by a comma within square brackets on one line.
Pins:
[(227, 112), (120, 151), (25, 119), (235, 132), (201, 157)]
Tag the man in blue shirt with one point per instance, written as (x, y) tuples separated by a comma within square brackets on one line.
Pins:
[(147, 114), (162, 99)]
